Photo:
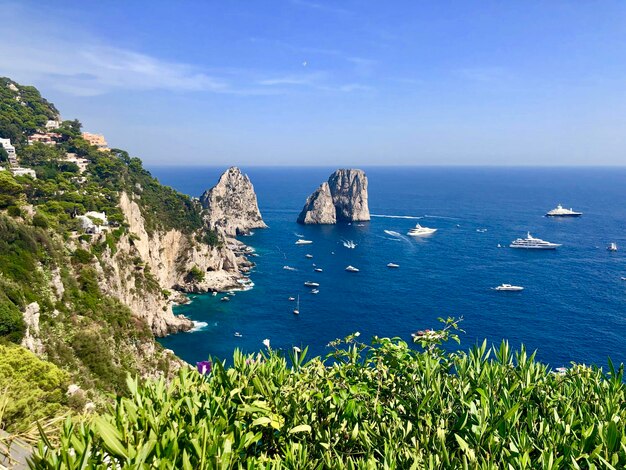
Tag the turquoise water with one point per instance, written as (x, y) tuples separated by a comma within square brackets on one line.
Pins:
[(573, 307)]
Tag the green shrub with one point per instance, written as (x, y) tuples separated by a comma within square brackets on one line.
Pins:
[(41, 221), (195, 274), (12, 325), (383, 405), (14, 211), (36, 388), (82, 256)]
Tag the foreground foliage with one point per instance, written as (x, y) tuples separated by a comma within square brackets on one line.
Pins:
[(383, 405)]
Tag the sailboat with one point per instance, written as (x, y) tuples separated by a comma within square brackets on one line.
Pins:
[(612, 246), (296, 311)]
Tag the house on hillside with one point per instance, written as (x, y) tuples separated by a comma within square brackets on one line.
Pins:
[(10, 150), (96, 139), (81, 163), (93, 222), (17, 171), (52, 124), (49, 138)]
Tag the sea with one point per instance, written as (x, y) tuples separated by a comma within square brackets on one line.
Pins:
[(572, 308)]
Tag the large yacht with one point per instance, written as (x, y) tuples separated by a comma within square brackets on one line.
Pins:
[(301, 241), (509, 287), (420, 231), (532, 243), (560, 211)]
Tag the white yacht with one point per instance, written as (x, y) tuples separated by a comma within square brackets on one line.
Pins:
[(302, 241), (238, 335), (296, 311), (311, 284), (352, 269), (532, 243), (318, 270), (291, 299), (560, 211), (393, 265), (308, 255), (315, 291), (509, 287), (612, 246), (420, 231)]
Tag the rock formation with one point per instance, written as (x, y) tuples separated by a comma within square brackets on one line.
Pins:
[(231, 205), (343, 199), (319, 207)]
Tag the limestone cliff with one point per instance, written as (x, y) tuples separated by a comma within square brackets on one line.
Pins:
[(145, 266), (231, 205), (344, 198), (319, 207)]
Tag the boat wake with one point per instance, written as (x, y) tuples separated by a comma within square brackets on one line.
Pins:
[(397, 236), (415, 217), (298, 235), (349, 244), (198, 326)]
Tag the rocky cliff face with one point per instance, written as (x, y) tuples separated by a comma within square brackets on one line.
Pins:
[(319, 207), (144, 266), (231, 205), (344, 198)]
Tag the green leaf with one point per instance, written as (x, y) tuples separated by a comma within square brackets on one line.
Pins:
[(111, 437), (300, 428)]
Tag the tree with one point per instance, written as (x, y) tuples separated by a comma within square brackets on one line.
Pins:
[(12, 325), (4, 156)]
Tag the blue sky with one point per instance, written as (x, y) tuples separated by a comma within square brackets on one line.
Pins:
[(311, 82)]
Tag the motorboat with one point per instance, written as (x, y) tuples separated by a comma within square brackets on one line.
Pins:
[(291, 299), (315, 291), (623, 278), (560, 211), (481, 230), (302, 241), (532, 243), (225, 299), (318, 270), (349, 244), (308, 255), (612, 246), (289, 268), (214, 294), (419, 231), (238, 335), (311, 284), (352, 269), (509, 288), (296, 311), (393, 265)]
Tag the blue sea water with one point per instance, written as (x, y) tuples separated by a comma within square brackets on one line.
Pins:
[(573, 307)]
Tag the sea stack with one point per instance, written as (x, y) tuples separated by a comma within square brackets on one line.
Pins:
[(342, 199), (231, 205)]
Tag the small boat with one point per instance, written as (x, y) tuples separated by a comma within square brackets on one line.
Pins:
[(311, 284), (560, 211), (352, 269), (623, 278), (291, 299), (238, 335), (308, 255), (349, 244), (289, 268), (315, 291), (296, 311), (499, 246), (214, 294), (509, 288), (225, 299), (302, 241), (612, 246), (393, 265), (419, 231), (318, 270), (481, 230)]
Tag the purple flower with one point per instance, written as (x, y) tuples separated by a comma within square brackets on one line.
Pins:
[(204, 367)]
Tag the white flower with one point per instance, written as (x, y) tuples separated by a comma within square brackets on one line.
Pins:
[(266, 343), (297, 349), (357, 334)]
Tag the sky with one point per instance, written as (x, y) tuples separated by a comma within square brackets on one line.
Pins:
[(332, 83)]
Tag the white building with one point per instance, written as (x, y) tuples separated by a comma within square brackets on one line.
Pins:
[(17, 171), (81, 163), (88, 225), (10, 149), (51, 124), (98, 215)]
